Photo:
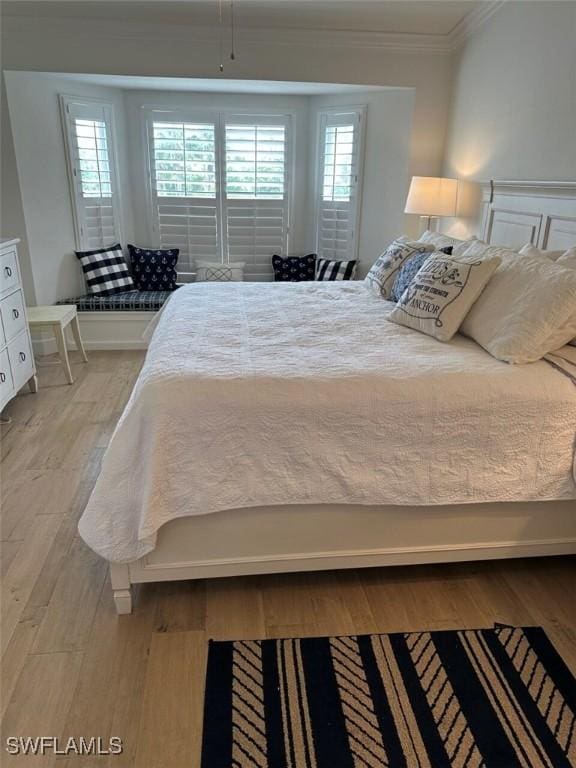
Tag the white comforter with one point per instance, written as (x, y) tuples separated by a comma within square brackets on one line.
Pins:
[(261, 394)]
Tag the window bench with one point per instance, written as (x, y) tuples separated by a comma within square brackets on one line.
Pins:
[(127, 301), (117, 321)]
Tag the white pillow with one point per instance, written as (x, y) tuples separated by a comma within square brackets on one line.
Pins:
[(568, 258), (440, 240), (441, 293), (383, 272), (531, 250), (527, 310), (564, 258), (213, 271)]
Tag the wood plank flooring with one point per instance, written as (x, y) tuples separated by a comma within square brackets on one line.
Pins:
[(71, 667)]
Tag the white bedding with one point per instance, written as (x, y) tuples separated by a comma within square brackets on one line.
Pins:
[(262, 394)]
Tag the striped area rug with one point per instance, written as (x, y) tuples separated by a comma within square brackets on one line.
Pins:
[(499, 698)]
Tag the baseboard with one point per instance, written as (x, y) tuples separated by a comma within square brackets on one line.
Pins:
[(101, 330)]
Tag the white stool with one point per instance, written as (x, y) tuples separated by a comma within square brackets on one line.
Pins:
[(57, 318)]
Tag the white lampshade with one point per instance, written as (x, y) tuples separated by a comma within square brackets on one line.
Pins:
[(431, 196)]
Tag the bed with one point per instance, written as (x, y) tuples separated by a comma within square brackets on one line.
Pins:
[(291, 427)]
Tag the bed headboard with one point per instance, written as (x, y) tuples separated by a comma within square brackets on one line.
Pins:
[(539, 212)]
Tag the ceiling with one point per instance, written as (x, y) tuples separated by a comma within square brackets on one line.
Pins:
[(437, 17)]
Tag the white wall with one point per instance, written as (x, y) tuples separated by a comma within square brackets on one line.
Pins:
[(100, 47), (513, 113), (46, 202), (386, 166), (45, 193), (12, 220), (66, 45)]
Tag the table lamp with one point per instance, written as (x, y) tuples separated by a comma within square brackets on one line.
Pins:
[(431, 197)]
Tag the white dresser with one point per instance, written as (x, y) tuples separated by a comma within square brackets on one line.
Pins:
[(16, 358)]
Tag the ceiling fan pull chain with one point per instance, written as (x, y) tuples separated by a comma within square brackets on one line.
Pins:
[(232, 52), (220, 37)]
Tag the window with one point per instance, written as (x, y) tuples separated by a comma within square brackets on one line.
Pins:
[(219, 187), (184, 189), (185, 160), (256, 202), (255, 161), (337, 204), (93, 175)]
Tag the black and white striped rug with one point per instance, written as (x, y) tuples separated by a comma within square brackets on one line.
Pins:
[(498, 698)]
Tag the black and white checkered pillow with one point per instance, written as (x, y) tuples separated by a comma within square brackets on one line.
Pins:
[(335, 270), (105, 270)]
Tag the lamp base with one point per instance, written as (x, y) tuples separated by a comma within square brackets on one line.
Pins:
[(428, 222)]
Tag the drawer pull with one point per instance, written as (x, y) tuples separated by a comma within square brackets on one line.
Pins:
[(15, 313), (22, 356), (8, 271), (2, 377)]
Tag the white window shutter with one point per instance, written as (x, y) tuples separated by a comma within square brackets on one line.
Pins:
[(338, 185), (184, 188), (256, 191), (93, 172)]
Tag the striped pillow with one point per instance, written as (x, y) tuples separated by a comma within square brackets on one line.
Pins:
[(105, 270), (335, 270)]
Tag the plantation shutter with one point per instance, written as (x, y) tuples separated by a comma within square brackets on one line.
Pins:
[(93, 173), (185, 189), (256, 191), (338, 185)]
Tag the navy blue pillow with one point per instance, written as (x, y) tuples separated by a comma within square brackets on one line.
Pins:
[(154, 269), (294, 269), (409, 269)]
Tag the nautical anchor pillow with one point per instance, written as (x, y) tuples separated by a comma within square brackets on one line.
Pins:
[(294, 269), (154, 270), (383, 272), (441, 294)]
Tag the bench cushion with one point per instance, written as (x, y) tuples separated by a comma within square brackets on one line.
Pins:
[(127, 301)]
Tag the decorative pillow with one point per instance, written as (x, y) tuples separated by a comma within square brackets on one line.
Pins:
[(213, 272), (105, 270), (568, 258), (528, 310), (441, 294), (294, 269), (335, 270), (154, 270), (408, 271), (440, 241), (531, 250), (382, 274)]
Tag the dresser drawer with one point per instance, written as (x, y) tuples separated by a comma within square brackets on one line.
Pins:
[(2, 334), (9, 277), (21, 360), (6, 383), (13, 314)]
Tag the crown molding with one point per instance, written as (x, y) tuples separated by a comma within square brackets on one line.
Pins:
[(78, 29), (474, 20)]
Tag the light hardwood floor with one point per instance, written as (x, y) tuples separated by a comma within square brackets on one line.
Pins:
[(71, 667)]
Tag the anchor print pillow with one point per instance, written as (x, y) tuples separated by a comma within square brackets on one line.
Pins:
[(154, 269), (441, 294), (380, 279), (294, 269)]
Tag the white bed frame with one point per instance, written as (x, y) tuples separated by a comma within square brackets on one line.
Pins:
[(307, 538)]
